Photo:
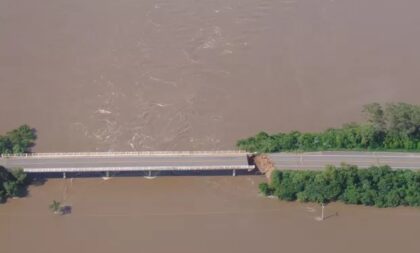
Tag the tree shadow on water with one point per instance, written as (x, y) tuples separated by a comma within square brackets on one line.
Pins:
[(38, 181), (66, 210), (331, 216), (22, 191)]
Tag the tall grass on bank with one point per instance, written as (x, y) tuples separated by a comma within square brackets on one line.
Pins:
[(389, 127), (376, 186)]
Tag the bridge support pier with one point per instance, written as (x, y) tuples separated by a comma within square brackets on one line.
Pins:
[(150, 173), (107, 174), (64, 175), (234, 173)]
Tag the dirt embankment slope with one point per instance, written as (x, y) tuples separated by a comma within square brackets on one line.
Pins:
[(264, 164)]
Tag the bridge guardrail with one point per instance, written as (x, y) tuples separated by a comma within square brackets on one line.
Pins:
[(153, 168), (111, 154)]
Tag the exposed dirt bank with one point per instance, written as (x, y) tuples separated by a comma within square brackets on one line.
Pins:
[(264, 165)]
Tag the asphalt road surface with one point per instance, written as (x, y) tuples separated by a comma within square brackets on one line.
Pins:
[(318, 160)]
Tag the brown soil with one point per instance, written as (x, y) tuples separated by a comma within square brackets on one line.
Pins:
[(264, 165)]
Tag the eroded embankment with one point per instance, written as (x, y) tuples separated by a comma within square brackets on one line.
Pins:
[(263, 164)]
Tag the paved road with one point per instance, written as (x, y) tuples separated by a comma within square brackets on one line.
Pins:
[(318, 160), (127, 163), (220, 161)]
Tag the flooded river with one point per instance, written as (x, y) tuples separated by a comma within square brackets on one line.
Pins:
[(192, 75), (197, 215), (125, 75)]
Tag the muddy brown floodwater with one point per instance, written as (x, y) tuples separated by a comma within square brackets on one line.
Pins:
[(194, 214), (107, 75), (189, 75)]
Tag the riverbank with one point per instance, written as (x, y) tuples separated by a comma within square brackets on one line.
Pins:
[(194, 214)]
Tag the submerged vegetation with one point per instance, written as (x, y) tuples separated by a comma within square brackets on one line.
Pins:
[(55, 207), (376, 186), (19, 140), (389, 127)]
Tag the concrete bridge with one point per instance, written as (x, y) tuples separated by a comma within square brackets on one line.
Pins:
[(107, 162)]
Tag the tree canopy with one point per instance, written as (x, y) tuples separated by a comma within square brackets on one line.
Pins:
[(389, 127), (376, 186), (19, 140), (11, 183)]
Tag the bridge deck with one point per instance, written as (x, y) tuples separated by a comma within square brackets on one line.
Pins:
[(121, 162)]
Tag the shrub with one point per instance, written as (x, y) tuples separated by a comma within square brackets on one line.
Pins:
[(265, 189)]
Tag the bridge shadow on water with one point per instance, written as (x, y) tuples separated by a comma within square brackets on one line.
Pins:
[(40, 178)]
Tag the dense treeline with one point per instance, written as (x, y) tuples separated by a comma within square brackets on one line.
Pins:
[(376, 186), (18, 140), (12, 184), (389, 127)]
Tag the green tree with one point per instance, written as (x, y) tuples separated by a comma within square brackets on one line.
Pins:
[(2, 196), (20, 176), (403, 119), (379, 186), (351, 195), (55, 207), (265, 189), (22, 138), (376, 116), (18, 140), (10, 188)]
